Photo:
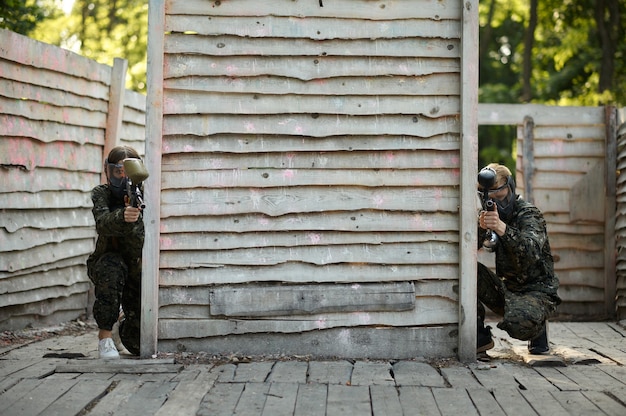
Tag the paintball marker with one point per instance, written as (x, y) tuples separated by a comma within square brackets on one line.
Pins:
[(486, 180), (136, 173)]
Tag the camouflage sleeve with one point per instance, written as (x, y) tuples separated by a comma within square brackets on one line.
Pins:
[(523, 242), (111, 223)]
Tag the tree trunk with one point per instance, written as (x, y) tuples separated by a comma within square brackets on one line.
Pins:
[(606, 14), (529, 40)]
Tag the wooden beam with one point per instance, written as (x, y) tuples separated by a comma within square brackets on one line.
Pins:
[(154, 134), (610, 285), (116, 108), (469, 168)]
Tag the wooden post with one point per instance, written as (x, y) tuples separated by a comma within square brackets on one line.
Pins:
[(469, 168), (152, 215), (116, 108), (610, 284), (529, 158)]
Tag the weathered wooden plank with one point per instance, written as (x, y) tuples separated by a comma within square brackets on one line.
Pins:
[(46, 200), (565, 164), (261, 178), (45, 294), (398, 85), (372, 373), (47, 312), (254, 372), (29, 154), (44, 254), (358, 342), (460, 377), (228, 143), (575, 402), (24, 89), (311, 400), (428, 311), (306, 68), (385, 400), (13, 220), (224, 45), (499, 114), (255, 300), (49, 131), (284, 200), (286, 27), (289, 372), (339, 9), (330, 372), (322, 222), (414, 373), (78, 397), (46, 393), (543, 402), (281, 399), (606, 402), (512, 402), (26, 238), (47, 112), (148, 398), (252, 399), (373, 159), (13, 396), (342, 400), (322, 125), (454, 401), (394, 253), (221, 399), (198, 102), (29, 52), (188, 394), (302, 272), (417, 401), (121, 366), (484, 402)]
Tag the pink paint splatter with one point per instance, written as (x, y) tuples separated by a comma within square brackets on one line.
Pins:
[(314, 238), (288, 174)]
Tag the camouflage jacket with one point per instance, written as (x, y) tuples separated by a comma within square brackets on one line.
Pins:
[(523, 255), (114, 234)]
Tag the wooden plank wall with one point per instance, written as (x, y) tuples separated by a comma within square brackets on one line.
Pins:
[(310, 148), (53, 112), (620, 222), (566, 168)]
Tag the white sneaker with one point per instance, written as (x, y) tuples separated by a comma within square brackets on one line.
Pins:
[(107, 350), (115, 335)]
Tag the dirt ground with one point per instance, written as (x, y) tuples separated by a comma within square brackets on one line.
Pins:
[(28, 335)]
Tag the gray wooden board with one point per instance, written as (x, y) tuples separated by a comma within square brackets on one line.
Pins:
[(353, 400), (543, 403), (485, 402), (221, 399), (512, 402), (256, 372), (16, 392), (493, 376), (590, 378), (257, 300), (557, 378), (36, 400), (371, 373), (576, 403), (116, 399), (311, 400), (528, 378), (252, 399), (118, 366), (148, 399), (78, 397), (607, 404), (454, 401), (385, 401), (188, 394), (289, 372), (413, 373), (330, 372), (226, 372), (281, 399), (418, 401), (460, 377)]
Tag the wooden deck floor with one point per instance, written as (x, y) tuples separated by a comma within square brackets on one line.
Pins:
[(586, 375)]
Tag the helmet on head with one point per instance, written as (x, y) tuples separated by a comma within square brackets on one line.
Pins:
[(114, 168)]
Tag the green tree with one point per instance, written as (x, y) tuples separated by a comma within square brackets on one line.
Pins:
[(103, 30), (23, 16)]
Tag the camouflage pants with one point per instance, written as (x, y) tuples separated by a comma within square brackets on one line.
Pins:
[(524, 313), (118, 283)]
